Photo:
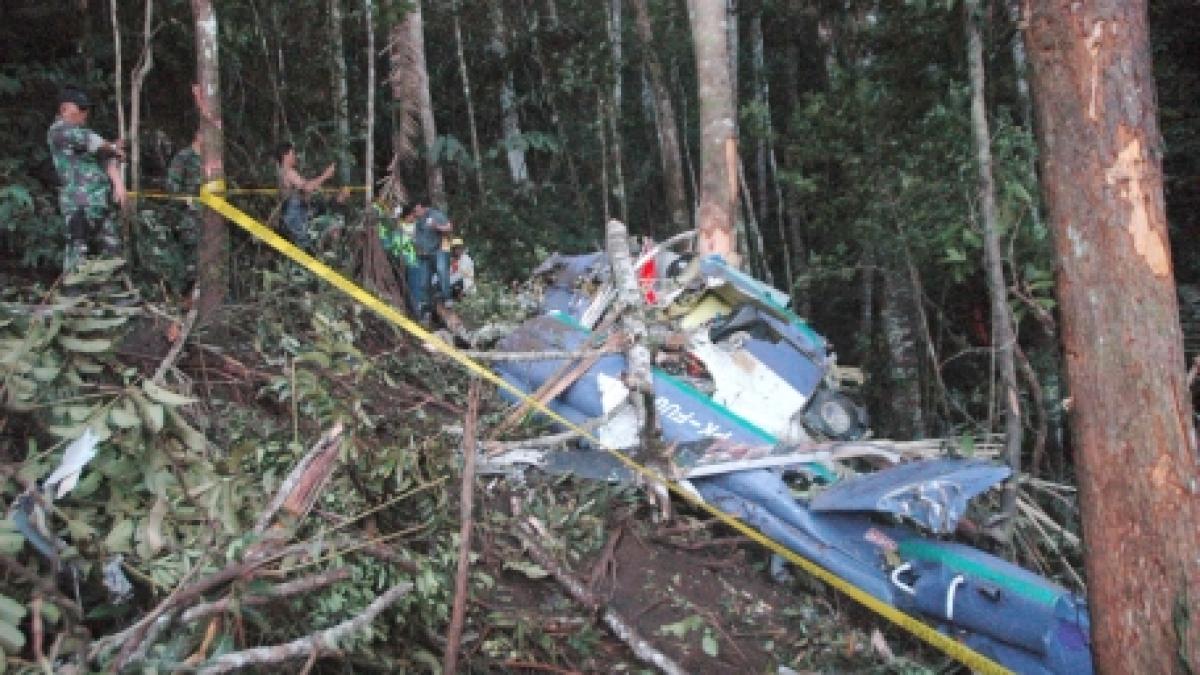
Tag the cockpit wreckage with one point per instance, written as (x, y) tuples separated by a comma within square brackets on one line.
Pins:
[(743, 399)]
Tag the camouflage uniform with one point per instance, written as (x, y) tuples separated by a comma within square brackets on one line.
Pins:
[(185, 175), (85, 193)]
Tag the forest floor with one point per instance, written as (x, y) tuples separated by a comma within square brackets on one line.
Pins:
[(690, 587)]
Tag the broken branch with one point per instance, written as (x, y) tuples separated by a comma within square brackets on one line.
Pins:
[(466, 507), (320, 643)]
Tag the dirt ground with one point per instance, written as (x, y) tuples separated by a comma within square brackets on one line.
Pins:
[(703, 597)]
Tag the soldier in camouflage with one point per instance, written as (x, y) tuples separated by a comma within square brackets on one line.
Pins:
[(185, 175), (90, 181)]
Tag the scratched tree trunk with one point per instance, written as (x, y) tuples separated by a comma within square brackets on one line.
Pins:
[(1131, 423), (718, 132), (211, 261)]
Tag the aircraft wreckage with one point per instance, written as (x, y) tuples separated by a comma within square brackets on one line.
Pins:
[(743, 396)]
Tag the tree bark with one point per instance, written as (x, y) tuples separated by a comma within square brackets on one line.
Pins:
[(718, 131), (466, 82), (144, 64), (435, 184), (616, 104), (899, 315), (1131, 421), (514, 148), (664, 119), (1004, 335), (211, 263), (341, 94)]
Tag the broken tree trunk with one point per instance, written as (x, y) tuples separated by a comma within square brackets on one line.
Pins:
[(639, 378)]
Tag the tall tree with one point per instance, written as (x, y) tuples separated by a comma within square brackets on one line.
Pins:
[(211, 263), (718, 132), (514, 148), (1004, 336), (664, 122), (341, 94), (1131, 421), (410, 92)]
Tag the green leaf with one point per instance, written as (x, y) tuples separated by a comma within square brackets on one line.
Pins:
[(51, 612), (11, 611), (165, 396), (80, 531), (125, 415), (46, 373), (11, 540), (84, 325), (709, 644), (527, 568), (117, 540), (190, 437), (92, 346), (11, 639), (151, 413)]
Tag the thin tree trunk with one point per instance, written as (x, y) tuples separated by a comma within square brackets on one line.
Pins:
[(718, 131), (1005, 337), (341, 93), (1131, 418), (600, 125), (514, 148), (904, 361), (144, 64), (85, 37), (369, 152), (555, 116), (616, 104), (674, 192), (211, 263), (433, 169), (759, 62), (753, 232), (466, 81)]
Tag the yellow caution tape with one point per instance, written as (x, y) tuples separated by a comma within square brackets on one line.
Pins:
[(185, 196), (211, 195)]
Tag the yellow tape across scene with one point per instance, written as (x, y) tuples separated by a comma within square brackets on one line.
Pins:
[(212, 195), (186, 197)]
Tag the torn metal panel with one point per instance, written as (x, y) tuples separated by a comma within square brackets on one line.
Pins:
[(934, 493)]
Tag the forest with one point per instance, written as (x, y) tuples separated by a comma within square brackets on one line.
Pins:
[(222, 451)]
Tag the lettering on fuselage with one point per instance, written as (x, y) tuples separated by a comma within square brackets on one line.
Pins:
[(674, 412)]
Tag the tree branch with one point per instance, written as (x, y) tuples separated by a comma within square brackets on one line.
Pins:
[(321, 642)]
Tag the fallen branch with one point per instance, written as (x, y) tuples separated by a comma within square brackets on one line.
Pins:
[(173, 353), (319, 643), (287, 589), (526, 531), (466, 508), (301, 486)]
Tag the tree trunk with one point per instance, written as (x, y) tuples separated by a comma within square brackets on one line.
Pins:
[(513, 144), (763, 109), (1005, 337), (211, 260), (899, 313), (466, 82), (1131, 420), (616, 105), (369, 152), (341, 94), (552, 101), (718, 135), (433, 169), (144, 64), (664, 120)]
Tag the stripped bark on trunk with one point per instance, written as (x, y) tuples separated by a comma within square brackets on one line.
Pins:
[(1131, 419), (718, 135)]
